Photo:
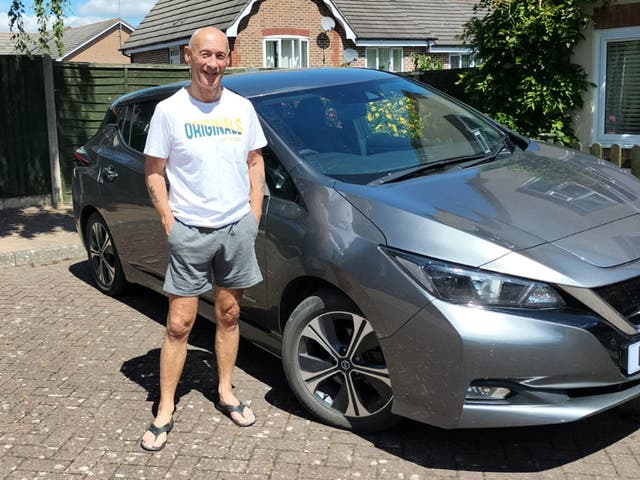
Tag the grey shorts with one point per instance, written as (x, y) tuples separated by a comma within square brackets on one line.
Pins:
[(200, 257)]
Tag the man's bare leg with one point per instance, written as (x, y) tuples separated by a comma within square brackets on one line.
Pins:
[(180, 320), (227, 309)]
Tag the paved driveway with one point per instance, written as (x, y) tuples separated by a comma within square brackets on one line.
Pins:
[(78, 381)]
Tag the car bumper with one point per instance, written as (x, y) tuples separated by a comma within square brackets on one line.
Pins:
[(556, 368), (543, 412)]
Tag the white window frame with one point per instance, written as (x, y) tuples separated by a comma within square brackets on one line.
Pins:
[(174, 55), (472, 60), (602, 38), (370, 50), (278, 39)]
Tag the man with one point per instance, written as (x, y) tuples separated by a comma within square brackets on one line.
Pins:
[(208, 141)]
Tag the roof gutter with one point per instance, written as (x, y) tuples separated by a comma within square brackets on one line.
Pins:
[(155, 46)]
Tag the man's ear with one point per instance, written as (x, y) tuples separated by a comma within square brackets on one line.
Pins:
[(187, 54)]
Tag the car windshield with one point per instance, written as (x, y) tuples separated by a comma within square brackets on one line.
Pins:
[(360, 132)]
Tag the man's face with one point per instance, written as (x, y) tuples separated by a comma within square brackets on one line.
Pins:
[(208, 57)]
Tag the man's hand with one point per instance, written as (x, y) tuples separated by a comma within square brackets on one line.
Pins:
[(157, 188), (255, 163), (167, 220)]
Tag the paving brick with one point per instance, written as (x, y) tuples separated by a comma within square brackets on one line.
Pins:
[(222, 465), (78, 379)]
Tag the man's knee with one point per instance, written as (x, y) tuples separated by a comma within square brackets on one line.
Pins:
[(182, 315), (178, 330), (228, 314)]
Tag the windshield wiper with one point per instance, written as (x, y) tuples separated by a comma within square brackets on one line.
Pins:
[(461, 162)]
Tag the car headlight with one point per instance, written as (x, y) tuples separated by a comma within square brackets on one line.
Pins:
[(468, 286)]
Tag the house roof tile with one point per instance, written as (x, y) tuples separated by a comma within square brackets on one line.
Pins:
[(171, 20), (7, 45), (407, 19), (76, 37), (175, 20), (73, 38)]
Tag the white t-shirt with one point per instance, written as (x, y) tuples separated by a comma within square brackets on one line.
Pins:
[(206, 146)]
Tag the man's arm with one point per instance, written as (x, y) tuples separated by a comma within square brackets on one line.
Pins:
[(157, 188), (256, 182)]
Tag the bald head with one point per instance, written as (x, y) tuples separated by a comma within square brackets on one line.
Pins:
[(201, 35), (208, 55)]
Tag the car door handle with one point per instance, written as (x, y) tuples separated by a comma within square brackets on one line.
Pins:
[(109, 173)]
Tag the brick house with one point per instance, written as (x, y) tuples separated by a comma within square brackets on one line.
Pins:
[(98, 42), (292, 33)]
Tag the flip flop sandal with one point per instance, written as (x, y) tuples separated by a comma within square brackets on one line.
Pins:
[(157, 431), (227, 410)]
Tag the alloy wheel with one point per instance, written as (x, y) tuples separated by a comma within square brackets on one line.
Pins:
[(341, 364), (101, 255)]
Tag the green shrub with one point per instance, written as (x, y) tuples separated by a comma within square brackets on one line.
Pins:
[(526, 80), (423, 62)]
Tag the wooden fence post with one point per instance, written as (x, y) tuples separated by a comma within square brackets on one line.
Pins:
[(596, 150), (576, 146), (616, 155), (52, 132), (635, 160)]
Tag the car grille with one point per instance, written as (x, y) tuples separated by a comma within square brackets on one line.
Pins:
[(624, 297)]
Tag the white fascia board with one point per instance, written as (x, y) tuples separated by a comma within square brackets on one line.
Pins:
[(351, 35), (450, 49), (156, 46), (232, 30), (392, 43)]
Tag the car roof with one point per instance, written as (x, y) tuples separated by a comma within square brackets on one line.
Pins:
[(268, 82)]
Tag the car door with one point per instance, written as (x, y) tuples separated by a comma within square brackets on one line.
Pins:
[(282, 235), (134, 224)]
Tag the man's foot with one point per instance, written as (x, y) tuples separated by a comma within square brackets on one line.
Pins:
[(239, 414), (155, 438)]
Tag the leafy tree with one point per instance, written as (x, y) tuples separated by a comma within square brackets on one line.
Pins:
[(423, 62), (526, 79), (46, 11)]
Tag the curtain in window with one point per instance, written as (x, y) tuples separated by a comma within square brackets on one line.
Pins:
[(271, 54), (304, 53), (372, 57), (622, 104), (174, 55), (286, 53), (287, 59), (384, 58), (396, 55)]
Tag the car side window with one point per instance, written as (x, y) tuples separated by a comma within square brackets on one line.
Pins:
[(140, 117), (124, 124), (278, 179)]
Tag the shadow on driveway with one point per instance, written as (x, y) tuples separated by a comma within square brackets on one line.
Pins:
[(32, 221), (524, 449)]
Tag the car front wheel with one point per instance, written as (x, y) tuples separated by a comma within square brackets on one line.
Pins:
[(335, 366), (105, 265)]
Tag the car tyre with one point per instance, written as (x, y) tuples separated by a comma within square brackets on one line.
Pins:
[(335, 366), (104, 262)]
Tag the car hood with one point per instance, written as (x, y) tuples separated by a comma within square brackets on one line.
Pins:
[(547, 194)]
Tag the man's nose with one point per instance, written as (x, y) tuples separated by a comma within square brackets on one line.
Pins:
[(212, 63)]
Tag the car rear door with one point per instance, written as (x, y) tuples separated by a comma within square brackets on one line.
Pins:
[(134, 224)]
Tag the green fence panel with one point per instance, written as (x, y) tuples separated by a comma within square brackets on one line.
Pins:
[(24, 150), (444, 80), (85, 91)]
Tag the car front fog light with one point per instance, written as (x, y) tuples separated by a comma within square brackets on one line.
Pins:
[(483, 392)]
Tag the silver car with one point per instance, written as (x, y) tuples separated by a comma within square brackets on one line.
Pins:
[(420, 260)]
